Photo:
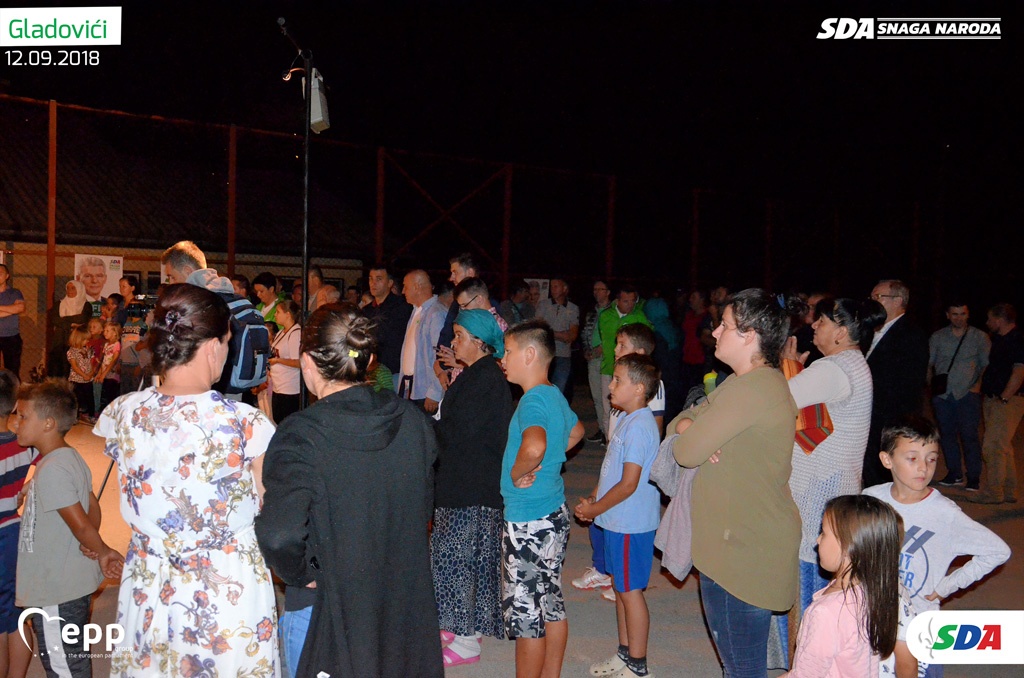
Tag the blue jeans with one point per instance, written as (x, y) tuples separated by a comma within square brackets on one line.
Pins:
[(738, 629), (294, 627), (561, 370), (958, 429), (811, 582)]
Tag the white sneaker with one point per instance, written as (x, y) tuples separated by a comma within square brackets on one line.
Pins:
[(592, 579), (608, 594)]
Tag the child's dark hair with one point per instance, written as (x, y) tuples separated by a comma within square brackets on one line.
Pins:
[(536, 333), (640, 335), (915, 428), (184, 318), (870, 534), (8, 392), (52, 398), (340, 341), (117, 298), (641, 369)]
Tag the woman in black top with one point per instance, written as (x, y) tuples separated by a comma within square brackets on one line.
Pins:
[(466, 542)]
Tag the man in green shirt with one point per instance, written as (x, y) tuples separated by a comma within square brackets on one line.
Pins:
[(627, 309)]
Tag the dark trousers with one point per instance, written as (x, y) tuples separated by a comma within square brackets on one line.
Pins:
[(874, 473), (561, 373), (86, 404), (958, 430), (10, 348), (111, 391), (62, 659), (283, 404)]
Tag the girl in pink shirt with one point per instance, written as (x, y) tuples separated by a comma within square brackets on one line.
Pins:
[(852, 622)]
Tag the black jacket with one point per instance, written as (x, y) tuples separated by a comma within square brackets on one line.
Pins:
[(472, 433), (899, 369), (392, 317), (348, 499)]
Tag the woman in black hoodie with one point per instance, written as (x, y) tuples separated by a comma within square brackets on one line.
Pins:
[(349, 494)]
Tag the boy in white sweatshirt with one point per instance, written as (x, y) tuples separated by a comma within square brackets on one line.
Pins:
[(936, 530)]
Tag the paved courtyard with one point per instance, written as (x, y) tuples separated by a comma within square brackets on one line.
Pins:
[(679, 643)]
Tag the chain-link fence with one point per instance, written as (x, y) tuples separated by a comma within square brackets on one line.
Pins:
[(127, 186)]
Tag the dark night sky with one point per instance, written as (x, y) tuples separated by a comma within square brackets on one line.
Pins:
[(736, 97)]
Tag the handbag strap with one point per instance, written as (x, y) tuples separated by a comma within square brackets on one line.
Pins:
[(953, 360)]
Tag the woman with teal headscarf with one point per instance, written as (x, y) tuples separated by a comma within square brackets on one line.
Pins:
[(668, 353), (466, 542)]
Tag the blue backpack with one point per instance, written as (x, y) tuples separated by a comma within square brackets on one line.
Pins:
[(249, 349)]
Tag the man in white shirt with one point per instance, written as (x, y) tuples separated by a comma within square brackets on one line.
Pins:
[(564, 318), (417, 381)]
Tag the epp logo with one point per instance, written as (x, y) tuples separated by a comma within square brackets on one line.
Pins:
[(974, 637), (843, 29), (69, 633)]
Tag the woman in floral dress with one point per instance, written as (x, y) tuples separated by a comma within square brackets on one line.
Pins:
[(196, 597)]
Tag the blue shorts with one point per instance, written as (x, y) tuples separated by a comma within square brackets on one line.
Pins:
[(9, 613), (629, 558)]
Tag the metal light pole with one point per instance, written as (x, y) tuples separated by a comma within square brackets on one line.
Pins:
[(307, 67)]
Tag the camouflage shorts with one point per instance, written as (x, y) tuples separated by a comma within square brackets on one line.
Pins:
[(531, 573)]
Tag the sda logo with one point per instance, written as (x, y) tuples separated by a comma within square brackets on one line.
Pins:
[(976, 637), (842, 29), (969, 637)]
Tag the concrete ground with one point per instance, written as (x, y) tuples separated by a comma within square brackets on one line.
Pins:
[(679, 643)]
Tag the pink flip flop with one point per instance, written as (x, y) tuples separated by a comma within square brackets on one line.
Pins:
[(446, 638), (453, 658)]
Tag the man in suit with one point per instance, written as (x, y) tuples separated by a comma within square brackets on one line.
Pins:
[(898, 359)]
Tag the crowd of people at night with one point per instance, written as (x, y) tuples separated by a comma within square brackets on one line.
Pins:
[(392, 457)]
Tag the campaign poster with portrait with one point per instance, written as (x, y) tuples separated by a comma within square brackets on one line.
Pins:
[(99, 274)]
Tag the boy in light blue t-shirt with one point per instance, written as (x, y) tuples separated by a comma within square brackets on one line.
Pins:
[(628, 508), (633, 338), (542, 430)]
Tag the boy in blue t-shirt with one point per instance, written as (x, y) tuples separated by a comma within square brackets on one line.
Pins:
[(542, 430), (628, 508)]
